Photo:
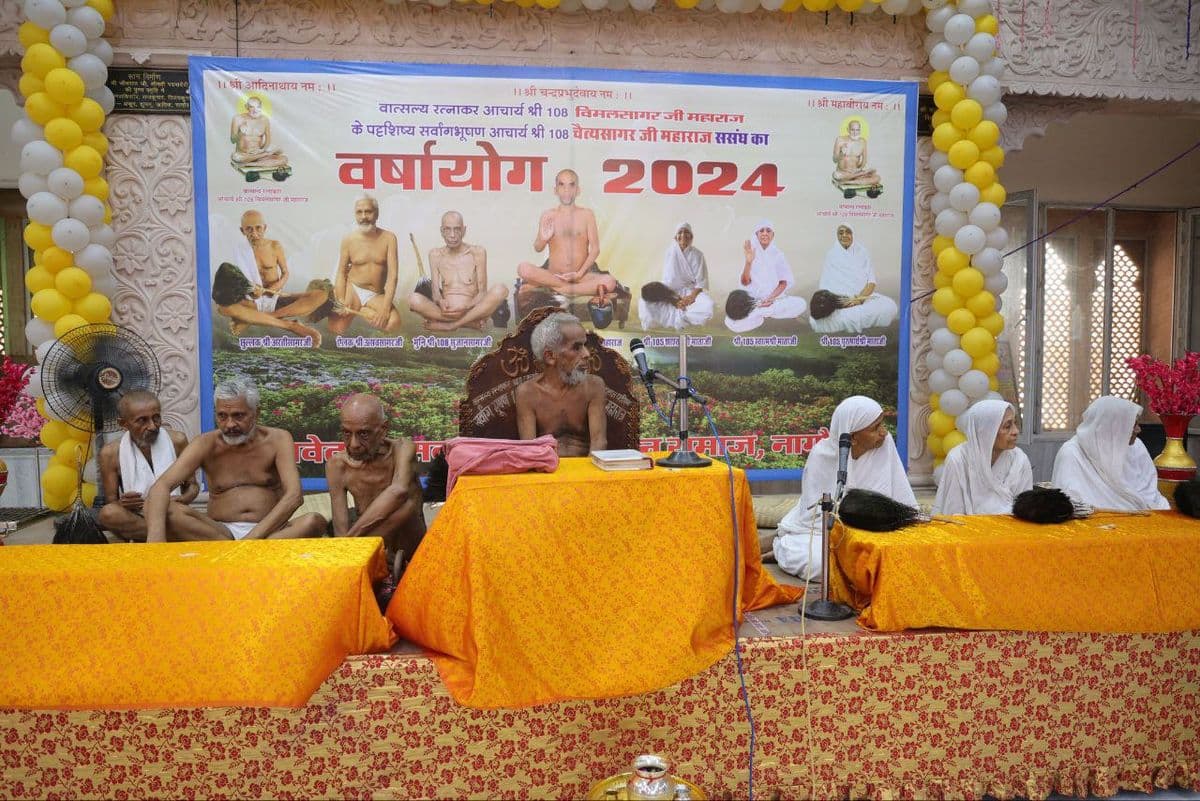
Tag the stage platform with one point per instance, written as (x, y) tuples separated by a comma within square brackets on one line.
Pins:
[(839, 713)]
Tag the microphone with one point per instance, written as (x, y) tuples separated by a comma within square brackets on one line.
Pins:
[(843, 462), (639, 356)]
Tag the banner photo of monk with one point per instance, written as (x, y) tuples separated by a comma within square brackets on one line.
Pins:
[(379, 227)]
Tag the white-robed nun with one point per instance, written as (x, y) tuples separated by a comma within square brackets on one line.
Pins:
[(1105, 464), (684, 273), (983, 475), (766, 277), (874, 465), (848, 273)]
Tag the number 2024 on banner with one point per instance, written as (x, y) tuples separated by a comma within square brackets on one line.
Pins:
[(668, 177)]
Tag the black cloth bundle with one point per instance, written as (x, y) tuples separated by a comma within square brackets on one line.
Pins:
[(874, 511), (1187, 498), (1045, 505)]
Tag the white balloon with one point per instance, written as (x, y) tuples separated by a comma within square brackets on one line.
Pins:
[(45, 13), (934, 5), (994, 67), (984, 89), (34, 384), (994, 396), (931, 38), (948, 221), (935, 322), (748, 6), (933, 360), (980, 47), (985, 215), (947, 177), (953, 402), (88, 20), (997, 238), (943, 340), (104, 236), (936, 20), (106, 284), (999, 303), (973, 384), (959, 29), (729, 6), (970, 239), (706, 5), (964, 70), (65, 182), (938, 159), (942, 56), (939, 203), (894, 7), (594, 5), (70, 234), (996, 284), (40, 157), (642, 5), (46, 208), (89, 210), (102, 50), (940, 381), (68, 40), (964, 196), (976, 8), (95, 259), (997, 112), (91, 69), (41, 350), (988, 261), (868, 7), (570, 6), (913, 7), (30, 183), (104, 96), (38, 331), (73, 3), (25, 130)]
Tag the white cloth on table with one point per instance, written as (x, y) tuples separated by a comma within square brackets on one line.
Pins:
[(1099, 466), (797, 546), (684, 271), (846, 272), (767, 270), (971, 484), (136, 473)]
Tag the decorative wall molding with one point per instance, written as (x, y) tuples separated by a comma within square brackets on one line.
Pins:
[(1029, 116), (920, 460)]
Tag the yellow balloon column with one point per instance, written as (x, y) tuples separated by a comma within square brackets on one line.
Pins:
[(64, 70)]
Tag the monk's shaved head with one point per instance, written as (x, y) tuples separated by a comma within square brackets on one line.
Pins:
[(134, 398), (366, 406)]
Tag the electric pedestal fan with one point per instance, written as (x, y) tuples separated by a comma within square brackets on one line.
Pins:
[(88, 370)]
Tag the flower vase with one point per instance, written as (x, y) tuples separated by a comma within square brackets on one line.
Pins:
[(1175, 465)]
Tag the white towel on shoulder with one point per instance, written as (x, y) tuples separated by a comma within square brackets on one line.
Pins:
[(136, 473)]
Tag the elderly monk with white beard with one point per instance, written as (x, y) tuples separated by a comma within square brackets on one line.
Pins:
[(253, 483), (565, 400)]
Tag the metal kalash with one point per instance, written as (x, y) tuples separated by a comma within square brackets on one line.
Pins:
[(683, 456)]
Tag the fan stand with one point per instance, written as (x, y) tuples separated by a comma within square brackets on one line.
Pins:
[(105, 379)]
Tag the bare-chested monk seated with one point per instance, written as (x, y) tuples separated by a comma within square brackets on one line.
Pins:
[(250, 133), (380, 474), (850, 156), (565, 400), (461, 295), (131, 464), (253, 483), (574, 241), (367, 271)]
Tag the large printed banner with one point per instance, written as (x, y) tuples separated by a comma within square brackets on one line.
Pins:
[(378, 227)]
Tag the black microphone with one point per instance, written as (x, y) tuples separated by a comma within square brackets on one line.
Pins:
[(843, 462), (639, 356)]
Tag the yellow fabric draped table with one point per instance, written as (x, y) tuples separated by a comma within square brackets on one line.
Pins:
[(259, 623), (582, 583), (1106, 573)]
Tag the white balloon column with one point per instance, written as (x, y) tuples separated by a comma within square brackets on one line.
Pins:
[(906, 7), (64, 70)]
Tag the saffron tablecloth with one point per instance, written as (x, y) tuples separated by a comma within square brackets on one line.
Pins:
[(1106, 573), (582, 583), (184, 624)]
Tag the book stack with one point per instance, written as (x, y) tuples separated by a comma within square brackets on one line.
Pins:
[(622, 459)]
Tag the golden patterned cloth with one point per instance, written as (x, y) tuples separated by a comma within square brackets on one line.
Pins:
[(1106, 573), (251, 623), (582, 583)]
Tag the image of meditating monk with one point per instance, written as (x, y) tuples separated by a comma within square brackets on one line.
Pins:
[(367, 271), (459, 293), (765, 280), (253, 152), (853, 171), (847, 301)]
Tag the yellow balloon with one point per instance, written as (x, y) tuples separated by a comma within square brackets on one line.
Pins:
[(107, 214), (53, 432), (948, 95), (99, 142), (38, 237), (68, 322), (65, 86), (850, 5), (50, 304), (941, 423), (64, 133), (41, 108), (939, 116), (30, 85), (940, 243), (963, 154), (548, 3), (940, 279), (73, 282), (995, 193), (977, 342), (945, 301), (938, 461), (967, 282), (87, 493), (988, 363), (60, 480), (105, 7), (70, 452), (55, 259), (790, 6), (96, 187), (982, 304), (29, 34), (986, 134), (88, 114), (945, 135), (994, 384), (979, 172), (966, 114), (987, 24), (85, 161), (525, 3), (953, 440), (40, 58), (94, 308), (80, 430), (993, 155), (993, 323), (57, 503), (937, 78), (935, 401), (687, 3), (934, 443), (38, 278), (951, 260), (960, 321)]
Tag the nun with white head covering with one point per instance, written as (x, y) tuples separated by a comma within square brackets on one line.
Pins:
[(685, 275), (848, 274), (766, 277), (983, 475), (874, 465), (1105, 464)]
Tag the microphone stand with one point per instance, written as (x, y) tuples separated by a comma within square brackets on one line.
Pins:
[(683, 456), (823, 608)]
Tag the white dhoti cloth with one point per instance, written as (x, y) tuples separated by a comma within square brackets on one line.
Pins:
[(784, 307), (137, 474), (239, 529), (266, 303), (364, 294), (877, 311)]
